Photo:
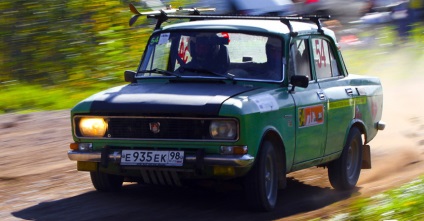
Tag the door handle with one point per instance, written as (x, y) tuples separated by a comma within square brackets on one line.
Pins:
[(349, 91), (321, 95)]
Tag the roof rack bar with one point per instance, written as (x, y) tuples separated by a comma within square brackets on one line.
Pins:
[(289, 26), (313, 18), (284, 19), (161, 18), (161, 14), (194, 14), (317, 20)]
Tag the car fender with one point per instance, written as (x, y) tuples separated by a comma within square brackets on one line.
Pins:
[(272, 134), (360, 124)]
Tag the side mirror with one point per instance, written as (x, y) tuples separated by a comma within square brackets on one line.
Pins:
[(129, 76), (299, 81)]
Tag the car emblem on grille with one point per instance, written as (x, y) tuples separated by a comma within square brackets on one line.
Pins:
[(154, 127)]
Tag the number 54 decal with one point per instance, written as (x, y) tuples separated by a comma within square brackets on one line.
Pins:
[(321, 52)]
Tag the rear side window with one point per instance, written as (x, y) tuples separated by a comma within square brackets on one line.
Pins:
[(324, 61)]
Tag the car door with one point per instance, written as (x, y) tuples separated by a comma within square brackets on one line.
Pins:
[(331, 79), (310, 106)]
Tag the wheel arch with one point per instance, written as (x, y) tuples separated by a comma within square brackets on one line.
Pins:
[(362, 128), (366, 149), (276, 139)]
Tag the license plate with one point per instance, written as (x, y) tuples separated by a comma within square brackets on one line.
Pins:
[(152, 158)]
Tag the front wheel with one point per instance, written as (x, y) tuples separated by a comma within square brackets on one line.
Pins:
[(261, 183), (343, 173), (104, 182)]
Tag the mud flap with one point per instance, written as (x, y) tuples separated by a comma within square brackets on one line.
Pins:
[(104, 161), (282, 181), (200, 161), (366, 157)]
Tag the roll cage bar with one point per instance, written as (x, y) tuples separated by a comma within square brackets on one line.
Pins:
[(193, 14)]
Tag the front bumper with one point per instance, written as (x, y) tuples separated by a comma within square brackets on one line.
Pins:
[(207, 160)]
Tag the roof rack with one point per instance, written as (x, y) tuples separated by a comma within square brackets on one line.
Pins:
[(194, 14), (162, 14)]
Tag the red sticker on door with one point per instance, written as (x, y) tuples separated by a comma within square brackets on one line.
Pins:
[(311, 115)]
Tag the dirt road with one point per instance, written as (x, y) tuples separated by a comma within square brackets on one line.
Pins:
[(39, 182)]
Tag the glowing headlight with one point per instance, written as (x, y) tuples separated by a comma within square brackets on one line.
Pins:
[(223, 129), (93, 127)]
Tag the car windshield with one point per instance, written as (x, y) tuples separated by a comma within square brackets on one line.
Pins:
[(213, 55)]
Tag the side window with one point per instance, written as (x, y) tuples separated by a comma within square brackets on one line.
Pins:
[(299, 61), (324, 61)]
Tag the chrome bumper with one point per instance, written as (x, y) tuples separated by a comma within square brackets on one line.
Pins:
[(208, 160), (380, 125)]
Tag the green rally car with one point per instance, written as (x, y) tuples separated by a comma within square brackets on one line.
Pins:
[(241, 98)]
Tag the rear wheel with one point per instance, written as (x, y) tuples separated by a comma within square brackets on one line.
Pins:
[(261, 183), (106, 182), (343, 173)]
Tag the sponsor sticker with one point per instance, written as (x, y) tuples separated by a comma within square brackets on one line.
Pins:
[(163, 38), (265, 102), (347, 102), (311, 115), (341, 104)]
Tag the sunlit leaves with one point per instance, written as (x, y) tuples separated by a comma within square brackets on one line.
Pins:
[(404, 203)]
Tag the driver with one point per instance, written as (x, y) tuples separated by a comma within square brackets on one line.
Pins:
[(204, 49), (273, 50), (208, 54)]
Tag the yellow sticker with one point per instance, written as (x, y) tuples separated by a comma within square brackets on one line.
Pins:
[(361, 100), (341, 104)]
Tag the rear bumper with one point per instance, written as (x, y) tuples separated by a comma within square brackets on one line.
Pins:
[(207, 160), (381, 125)]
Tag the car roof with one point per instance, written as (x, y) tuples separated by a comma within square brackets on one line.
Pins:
[(265, 26)]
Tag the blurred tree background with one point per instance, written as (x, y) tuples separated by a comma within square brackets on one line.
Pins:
[(66, 47)]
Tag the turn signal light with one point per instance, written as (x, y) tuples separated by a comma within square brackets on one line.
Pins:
[(73, 146), (223, 171), (230, 150)]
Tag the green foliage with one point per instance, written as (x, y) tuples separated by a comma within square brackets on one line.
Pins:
[(47, 47), (404, 203), (53, 41)]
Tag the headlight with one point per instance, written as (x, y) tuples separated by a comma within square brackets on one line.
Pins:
[(93, 127), (223, 129)]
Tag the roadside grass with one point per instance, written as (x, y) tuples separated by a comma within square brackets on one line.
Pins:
[(403, 203), (25, 98)]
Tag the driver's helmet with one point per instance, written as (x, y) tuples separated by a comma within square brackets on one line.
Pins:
[(204, 47)]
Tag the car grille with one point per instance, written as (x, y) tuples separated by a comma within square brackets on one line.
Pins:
[(163, 128), (166, 128)]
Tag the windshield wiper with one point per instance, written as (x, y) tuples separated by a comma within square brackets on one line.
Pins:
[(160, 71), (227, 75)]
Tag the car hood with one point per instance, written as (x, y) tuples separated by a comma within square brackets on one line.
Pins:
[(171, 98)]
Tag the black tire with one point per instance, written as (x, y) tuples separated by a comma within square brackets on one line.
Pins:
[(104, 182), (343, 173), (261, 183)]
